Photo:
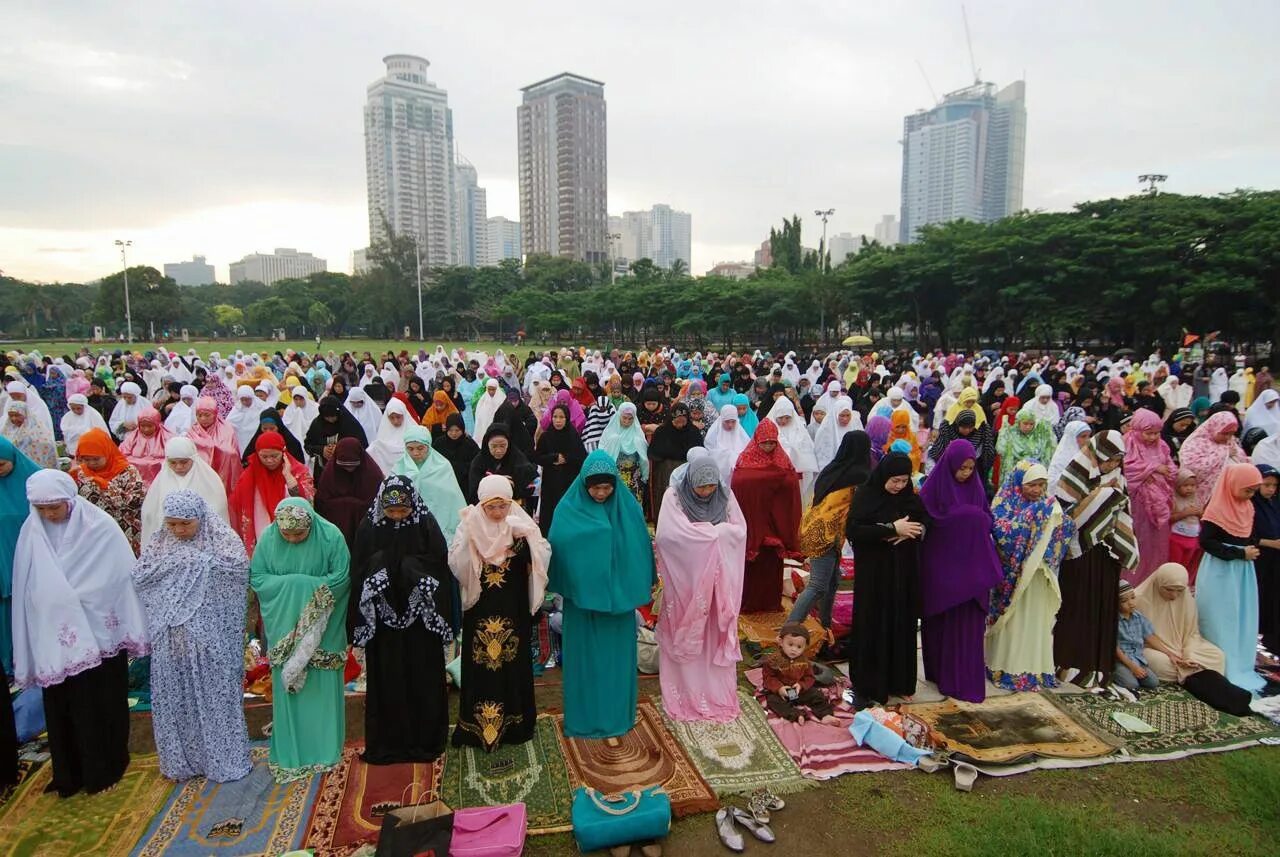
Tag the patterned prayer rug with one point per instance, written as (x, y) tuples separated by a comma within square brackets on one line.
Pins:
[(1184, 723), (533, 773), (105, 824), (822, 751), (740, 756), (1004, 729), (253, 815), (354, 797), (26, 767), (646, 756), (762, 629)]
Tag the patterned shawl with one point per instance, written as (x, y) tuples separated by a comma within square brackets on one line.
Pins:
[(1099, 502)]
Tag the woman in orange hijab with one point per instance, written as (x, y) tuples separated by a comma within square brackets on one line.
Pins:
[(901, 430), (106, 479), (441, 407)]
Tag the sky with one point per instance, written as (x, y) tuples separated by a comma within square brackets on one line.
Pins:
[(226, 127)]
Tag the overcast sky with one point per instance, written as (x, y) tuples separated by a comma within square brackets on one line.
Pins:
[(224, 127)]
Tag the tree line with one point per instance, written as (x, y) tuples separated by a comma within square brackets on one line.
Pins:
[(1135, 271)]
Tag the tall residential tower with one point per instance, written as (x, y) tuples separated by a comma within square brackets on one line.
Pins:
[(409, 159), (560, 126), (964, 158)]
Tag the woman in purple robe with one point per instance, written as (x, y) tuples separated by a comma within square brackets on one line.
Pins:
[(958, 568)]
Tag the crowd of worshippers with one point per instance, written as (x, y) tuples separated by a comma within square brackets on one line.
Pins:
[(1030, 521)]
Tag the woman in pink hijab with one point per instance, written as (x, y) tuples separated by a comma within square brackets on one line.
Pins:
[(216, 442), (1150, 472), (576, 415), (144, 446), (77, 383)]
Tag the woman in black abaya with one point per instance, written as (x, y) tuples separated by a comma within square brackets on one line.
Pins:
[(668, 449), (400, 612), (886, 523), (458, 448), (560, 454)]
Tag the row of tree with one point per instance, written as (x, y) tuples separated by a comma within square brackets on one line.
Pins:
[(1132, 271)]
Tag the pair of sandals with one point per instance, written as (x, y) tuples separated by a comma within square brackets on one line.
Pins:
[(755, 819)]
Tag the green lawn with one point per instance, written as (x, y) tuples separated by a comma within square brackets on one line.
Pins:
[(1220, 804), (228, 346)]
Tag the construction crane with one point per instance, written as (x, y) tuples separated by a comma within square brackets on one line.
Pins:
[(977, 74)]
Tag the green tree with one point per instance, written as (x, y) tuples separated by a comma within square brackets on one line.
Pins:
[(226, 316)]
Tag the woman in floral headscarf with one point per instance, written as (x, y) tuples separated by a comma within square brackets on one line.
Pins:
[(1209, 450)]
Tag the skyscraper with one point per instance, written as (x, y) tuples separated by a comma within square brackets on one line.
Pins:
[(197, 272), (409, 158), (660, 234), (560, 125), (964, 158), (471, 217), (887, 231), (504, 240)]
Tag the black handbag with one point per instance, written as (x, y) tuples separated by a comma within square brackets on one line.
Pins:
[(1212, 688), (419, 830)]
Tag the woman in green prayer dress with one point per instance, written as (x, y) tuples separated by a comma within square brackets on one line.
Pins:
[(602, 563), (301, 573)]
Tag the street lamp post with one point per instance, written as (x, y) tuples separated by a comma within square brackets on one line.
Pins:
[(417, 256), (822, 260), (613, 271), (1152, 179), (124, 264)]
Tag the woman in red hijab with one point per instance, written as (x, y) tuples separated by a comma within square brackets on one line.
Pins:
[(768, 490), (271, 476)]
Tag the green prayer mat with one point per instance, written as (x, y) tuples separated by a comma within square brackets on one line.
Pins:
[(105, 825), (533, 773), (1183, 723), (740, 756)]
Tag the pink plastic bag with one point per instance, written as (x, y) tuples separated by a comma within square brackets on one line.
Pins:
[(489, 831)]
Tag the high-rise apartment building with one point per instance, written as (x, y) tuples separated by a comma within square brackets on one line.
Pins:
[(409, 159), (197, 272), (887, 231), (964, 158), (503, 240), (285, 263), (471, 217), (840, 247), (660, 234), (561, 129)]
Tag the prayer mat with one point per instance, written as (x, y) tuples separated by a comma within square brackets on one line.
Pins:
[(26, 767), (822, 751), (1005, 729), (533, 773), (1185, 724), (740, 756), (354, 797), (762, 629), (104, 825), (253, 815), (646, 756)]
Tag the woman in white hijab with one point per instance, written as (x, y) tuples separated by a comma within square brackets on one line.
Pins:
[(37, 410), (364, 410), (841, 420), (487, 406), (183, 413), (370, 371), (390, 377), (270, 393), (1043, 405), (78, 419), (184, 469), (725, 441), (1264, 413), (153, 375), (1174, 394), (243, 418), (301, 412), (827, 401), (1218, 384), (798, 445), (76, 622), (389, 446), (124, 417), (1074, 436)]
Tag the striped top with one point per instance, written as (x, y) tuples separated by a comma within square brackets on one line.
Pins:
[(1099, 502), (598, 416)]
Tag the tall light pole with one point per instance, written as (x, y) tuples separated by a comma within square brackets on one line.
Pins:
[(124, 264), (613, 270), (1152, 179), (417, 257), (822, 260)]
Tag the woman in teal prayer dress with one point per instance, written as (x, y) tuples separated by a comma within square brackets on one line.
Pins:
[(301, 573), (602, 564)]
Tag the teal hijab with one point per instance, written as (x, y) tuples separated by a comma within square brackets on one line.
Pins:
[(585, 532), (323, 554), (13, 511), (434, 481), (749, 420)]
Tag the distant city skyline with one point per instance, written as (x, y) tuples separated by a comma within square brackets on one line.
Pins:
[(246, 148)]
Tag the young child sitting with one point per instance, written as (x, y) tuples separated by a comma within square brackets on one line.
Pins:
[(788, 679), (1134, 633), (1184, 530)]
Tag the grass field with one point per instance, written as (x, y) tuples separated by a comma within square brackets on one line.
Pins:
[(228, 346)]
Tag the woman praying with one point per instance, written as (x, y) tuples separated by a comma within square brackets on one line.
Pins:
[(105, 478), (192, 579), (433, 480), (668, 449), (347, 488), (400, 612), (1150, 473), (560, 453), (624, 440), (457, 447), (768, 490), (602, 564), (183, 469), (1165, 599), (272, 475), (700, 549), (216, 442), (499, 457), (76, 623), (300, 573), (144, 446), (500, 559)]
